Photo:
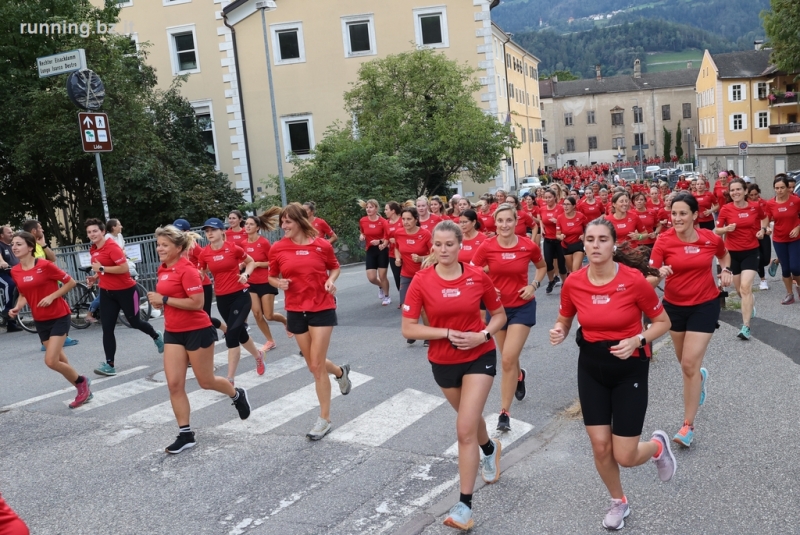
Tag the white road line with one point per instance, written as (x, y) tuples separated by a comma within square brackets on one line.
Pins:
[(274, 414), (518, 429), (118, 393), (68, 389), (384, 421)]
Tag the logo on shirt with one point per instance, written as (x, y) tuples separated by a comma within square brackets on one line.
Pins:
[(450, 292), (690, 249), (508, 256), (301, 252), (411, 242), (744, 215), (621, 288), (27, 278), (165, 277), (195, 288), (782, 209), (218, 258), (406, 308), (470, 282), (601, 299)]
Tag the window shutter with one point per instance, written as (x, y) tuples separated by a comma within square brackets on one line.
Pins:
[(730, 122), (744, 93), (730, 94), (744, 121)]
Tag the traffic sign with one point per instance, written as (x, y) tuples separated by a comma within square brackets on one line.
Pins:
[(61, 63), (95, 132), (743, 148)]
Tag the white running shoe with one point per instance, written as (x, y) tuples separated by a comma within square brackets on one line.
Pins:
[(381, 295), (320, 429), (763, 285), (386, 301)]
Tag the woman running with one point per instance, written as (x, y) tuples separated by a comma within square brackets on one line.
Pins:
[(649, 219), (471, 237), (38, 281), (570, 226), (589, 206), (532, 209), (742, 223), (222, 258), (463, 205), (454, 210), (721, 188), (189, 336), (707, 205), (628, 226), (437, 207), (426, 219), (235, 233), (322, 227), (684, 256), (462, 354), (552, 246), (524, 219), (392, 212), (613, 364), (412, 245), (262, 293), (665, 214), (506, 258), (113, 232), (487, 219), (499, 198), (117, 292), (375, 232), (784, 211), (305, 268), (765, 244), (654, 200)]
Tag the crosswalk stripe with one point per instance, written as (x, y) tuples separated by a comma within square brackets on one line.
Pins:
[(518, 430), (384, 421), (117, 393), (278, 412), (68, 389)]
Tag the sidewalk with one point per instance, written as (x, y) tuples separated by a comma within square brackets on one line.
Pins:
[(740, 475)]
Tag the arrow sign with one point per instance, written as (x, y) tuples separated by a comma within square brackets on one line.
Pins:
[(95, 132), (88, 121)]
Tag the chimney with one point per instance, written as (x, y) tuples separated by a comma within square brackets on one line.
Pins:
[(688, 64), (597, 71), (758, 45), (637, 68), (555, 78)]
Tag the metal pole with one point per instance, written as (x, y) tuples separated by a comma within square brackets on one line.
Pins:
[(274, 112), (102, 185)]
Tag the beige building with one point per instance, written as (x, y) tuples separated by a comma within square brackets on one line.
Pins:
[(617, 118)]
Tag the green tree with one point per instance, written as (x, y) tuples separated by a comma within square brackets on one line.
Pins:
[(563, 75), (667, 144), (782, 26), (679, 142)]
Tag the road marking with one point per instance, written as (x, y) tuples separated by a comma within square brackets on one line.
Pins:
[(518, 429), (68, 389), (384, 421), (434, 492), (220, 359), (278, 412), (117, 393)]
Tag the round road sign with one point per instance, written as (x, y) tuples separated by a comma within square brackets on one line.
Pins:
[(86, 90)]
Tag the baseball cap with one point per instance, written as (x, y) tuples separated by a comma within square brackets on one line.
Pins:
[(214, 223), (182, 224)]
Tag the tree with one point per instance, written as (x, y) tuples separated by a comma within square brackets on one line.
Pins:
[(562, 75), (782, 26), (667, 144), (679, 143)]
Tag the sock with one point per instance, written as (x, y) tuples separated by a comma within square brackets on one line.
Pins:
[(79, 380), (690, 425), (185, 429), (466, 499), (488, 448), (660, 449), (234, 398), (341, 374), (520, 377)]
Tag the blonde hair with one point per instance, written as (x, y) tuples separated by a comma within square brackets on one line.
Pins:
[(443, 226), (504, 208), (423, 198), (268, 220), (410, 204), (183, 240), (364, 204)]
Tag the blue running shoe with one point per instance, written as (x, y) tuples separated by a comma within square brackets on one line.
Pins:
[(67, 343), (685, 436), (105, 369), (744, 333), (459, 517), (753, 314), (704, 375), (159, 342)]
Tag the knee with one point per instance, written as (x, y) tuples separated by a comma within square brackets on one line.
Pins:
[(177, 386), (317, 369), (467, 434), (52, 363), (745, 290), (602, 449), (509, 364), (689, 367), (206, 382), (626, 459)]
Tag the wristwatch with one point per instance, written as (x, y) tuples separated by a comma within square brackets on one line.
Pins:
[(102, 269), (487, 335), (164, 299), (642, 341)]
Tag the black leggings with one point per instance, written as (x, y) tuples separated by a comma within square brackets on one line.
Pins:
[(111, 302), (207, 296), (553, 250), (765, 255), (395, 273), (235, 308)]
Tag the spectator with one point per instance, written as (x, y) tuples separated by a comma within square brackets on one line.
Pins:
[(7, 285)]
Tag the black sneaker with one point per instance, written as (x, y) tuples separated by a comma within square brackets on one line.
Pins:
[(242, 404), (410, 341), (426, 343), (183, 442), (550, 286), (504, 422), (520, 393), (556, 279)]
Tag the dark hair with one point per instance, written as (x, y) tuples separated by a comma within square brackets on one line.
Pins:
[(237, 213), (29, 238), (413, 211), (753, 187), (737, 181), (112, 223), (639, 194), (731, 173), (311, 205), (618, 195), (94, 221), (516, 201), (470, 214), (635, 257), (782, 177), (551, 192), (268, 220), (571, 200), (688, 199), (395, 207), (30, 225)]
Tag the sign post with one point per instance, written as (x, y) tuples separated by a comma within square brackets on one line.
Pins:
[(743, 154), (96, 138)]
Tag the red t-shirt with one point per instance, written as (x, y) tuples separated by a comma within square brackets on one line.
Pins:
[(626, 225), (508, 267), (391, 230), (591, 211), (37, 283), (181, 281), (373, 230), (259, 252), (322, 227), (430, 223), (692, 281), (786, 216), (223, 263), (649, 219), (705, 202), (721, 193), (308, 267), (110, 255), (524, 222), (571, 228), (665, 218), (237, 237), (468, 248), (487, 223), (612, 311), (748, 223), (194, 258), (682, 184), (549, 226), (10, 523), (654, 206), (453, 305), (419, 243)]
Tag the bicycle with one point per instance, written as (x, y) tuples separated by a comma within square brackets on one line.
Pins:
[(80, 299), (24, 318)]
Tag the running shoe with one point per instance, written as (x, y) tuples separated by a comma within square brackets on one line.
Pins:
[(105, 369), (550, 286), (685, 436), (381, 295), (183, 442), (617, 513), (744, 333), (90, 319), (763, 285), (426, 343), (788, 300), (490, 464), (520, 392), (773, 268), (268, 346), (320, 429), (410, 341), (344, 381), (459, 517), (84, 393), (242, 404), (386, 301), (665, 463), (260, 368), (504, 421), (67, 343), (557, 279), (753, 313), (159, 342), (703, 381)]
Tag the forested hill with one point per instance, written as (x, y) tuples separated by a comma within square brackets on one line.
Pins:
[(615, 47)]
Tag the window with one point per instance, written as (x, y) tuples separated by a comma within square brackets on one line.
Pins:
[(737, 121), (510, 88), (358, 32), (543, 126), (590, 117), (541, 105), (736, 92), (567, 119), (430, 24), (638, 140), (524, 139), (163, 2), (763, 119), (298, 135), (665, 114), (538, 134), (570, 145), (762, 90), (616, 118), (287, 43), (687, 110), (619, 142), (544, 147), (530, 135), (124, 3), (637, 114), (592, 142), (202, 110), (182, 44), (508, 60)]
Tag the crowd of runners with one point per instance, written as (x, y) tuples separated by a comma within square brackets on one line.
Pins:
[(462, 275)]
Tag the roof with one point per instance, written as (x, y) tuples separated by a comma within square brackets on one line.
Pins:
[(745, 64), (622, 84), (236, 3), (546, 88)]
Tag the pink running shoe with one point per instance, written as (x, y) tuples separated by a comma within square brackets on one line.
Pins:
[(84, 393), (260, 368), (268, 345)]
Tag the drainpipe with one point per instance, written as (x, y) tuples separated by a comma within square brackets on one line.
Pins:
[(508, 103)]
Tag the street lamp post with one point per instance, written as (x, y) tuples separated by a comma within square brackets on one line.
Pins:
[(689, 144), (265, 5), (638, 135)]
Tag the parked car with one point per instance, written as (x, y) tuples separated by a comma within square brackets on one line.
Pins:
[(530, 182), (628, 174)]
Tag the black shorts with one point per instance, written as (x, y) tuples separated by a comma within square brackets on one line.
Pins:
[(451, 375), (521, 315), (56, 327), (708, 225), (299, 322), (262, 289), (192, 340), (744, 260), (377, 258), (573, 248), (701, 318)]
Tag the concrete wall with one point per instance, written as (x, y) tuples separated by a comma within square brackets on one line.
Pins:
[(762, 163)]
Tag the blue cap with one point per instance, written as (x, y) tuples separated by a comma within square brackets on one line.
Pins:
[(214, 223), (182, 224)]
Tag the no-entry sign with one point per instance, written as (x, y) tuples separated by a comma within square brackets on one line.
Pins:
[(95, 132)]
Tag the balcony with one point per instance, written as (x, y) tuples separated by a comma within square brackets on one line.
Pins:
[(782, 98), (780, 129)]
